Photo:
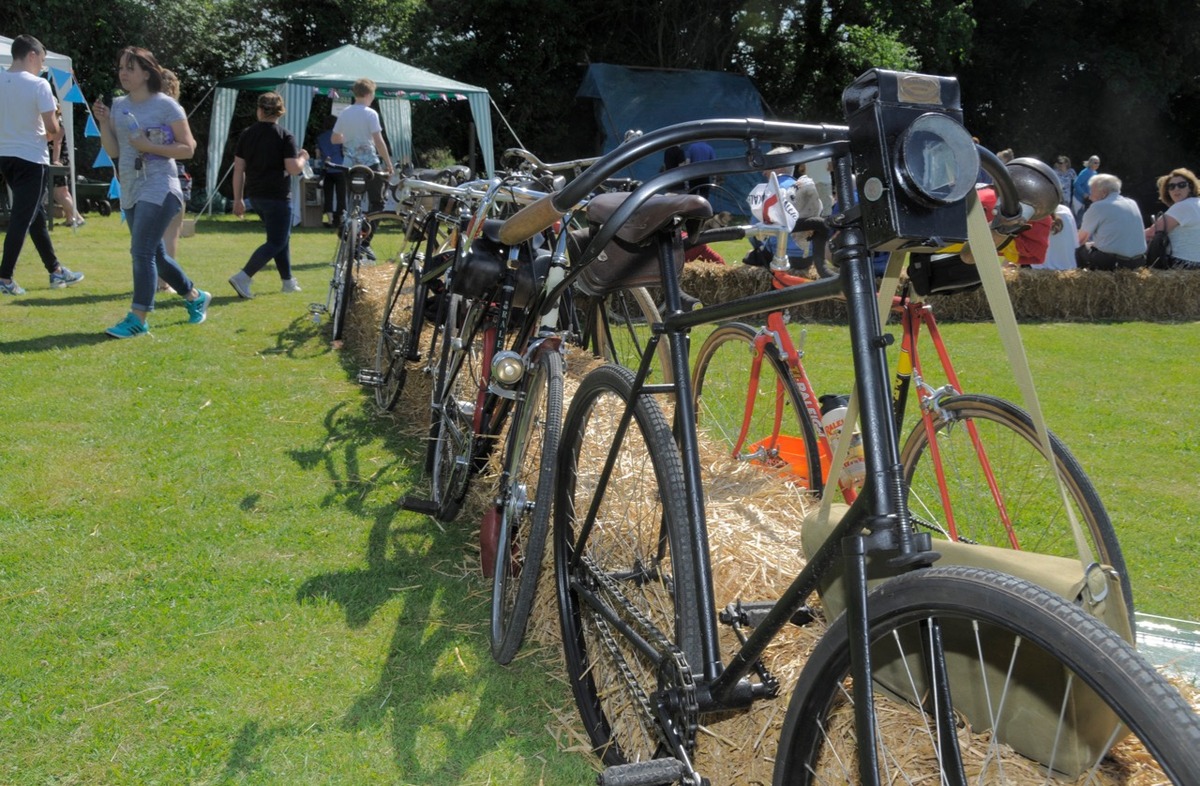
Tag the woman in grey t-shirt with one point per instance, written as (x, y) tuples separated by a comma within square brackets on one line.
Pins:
[(147, 131)]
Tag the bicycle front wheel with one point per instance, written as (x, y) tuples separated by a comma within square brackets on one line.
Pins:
[(1035, 690), (625, 577), (749, 407), (526, 500), (1001, 491)]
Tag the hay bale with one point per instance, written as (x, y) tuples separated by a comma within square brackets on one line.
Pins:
[(753, 532)]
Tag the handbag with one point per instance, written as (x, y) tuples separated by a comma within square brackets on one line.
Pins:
[(1158, 250)]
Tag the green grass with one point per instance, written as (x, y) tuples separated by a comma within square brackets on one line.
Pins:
[(205, 577)]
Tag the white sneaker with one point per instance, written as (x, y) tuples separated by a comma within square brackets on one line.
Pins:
[(291, 285), (241, 284)]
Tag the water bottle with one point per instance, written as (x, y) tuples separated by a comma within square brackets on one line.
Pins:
[(833, 419)]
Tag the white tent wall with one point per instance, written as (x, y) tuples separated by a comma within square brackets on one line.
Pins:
[(62, 63)]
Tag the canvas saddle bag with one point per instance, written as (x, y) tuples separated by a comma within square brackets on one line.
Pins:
[(1038, 683)]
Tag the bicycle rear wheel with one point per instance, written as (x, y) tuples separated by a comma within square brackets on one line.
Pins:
[(755, 415), (625, 580), (526, 501), (400, 329), (618, 327), (1059, 692), (460, 375), (1033, 517), (343, 277)]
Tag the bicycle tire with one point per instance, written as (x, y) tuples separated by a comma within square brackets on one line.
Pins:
[(343, 277), (637, 561), (1023, 476), (399, 333), (451, 431), (618, 326), (780, 434), (525, 502), (1021, 627)]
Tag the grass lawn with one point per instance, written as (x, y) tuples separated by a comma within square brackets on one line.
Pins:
[(205, 578)]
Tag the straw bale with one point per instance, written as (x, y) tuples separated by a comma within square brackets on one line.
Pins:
[(755, 541), (1037, 295)]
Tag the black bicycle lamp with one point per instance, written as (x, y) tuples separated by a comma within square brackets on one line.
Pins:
[(914, 162)]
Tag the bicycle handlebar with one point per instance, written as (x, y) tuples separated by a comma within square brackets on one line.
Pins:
[(545, 212), (537, 163), (758, 230)]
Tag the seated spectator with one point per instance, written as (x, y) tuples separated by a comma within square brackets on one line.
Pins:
[(1064, 239), (1180, 192), (1111, 235)]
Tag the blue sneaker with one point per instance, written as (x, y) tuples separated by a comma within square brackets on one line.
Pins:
[(64, 278), (11, 288), (198, 308), (128, 327)]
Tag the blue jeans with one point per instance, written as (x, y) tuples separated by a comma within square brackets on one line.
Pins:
[(148, 223), (276, 215), (27, 215)]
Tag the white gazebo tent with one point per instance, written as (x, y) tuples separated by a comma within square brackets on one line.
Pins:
[(62, 63), (337, 69)]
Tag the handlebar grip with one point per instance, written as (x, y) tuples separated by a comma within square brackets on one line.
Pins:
[(529, 220)]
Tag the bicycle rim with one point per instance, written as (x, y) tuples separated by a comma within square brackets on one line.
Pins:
[(526, 500), (1060, 692), (625, 581), (343, 281), (764, 423), (452, 429), (399, 333), (1032, 516)]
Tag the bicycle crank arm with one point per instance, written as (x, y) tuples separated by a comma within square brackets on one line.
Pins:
[(655, 772)]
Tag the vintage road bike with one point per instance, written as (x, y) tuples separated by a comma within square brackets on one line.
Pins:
[(946, 650)]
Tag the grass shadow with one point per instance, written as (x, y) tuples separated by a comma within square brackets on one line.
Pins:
[(56, 341), (301, 338), (67, 300)]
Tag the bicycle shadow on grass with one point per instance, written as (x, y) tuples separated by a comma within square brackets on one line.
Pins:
[(449, 714), (302, 338)]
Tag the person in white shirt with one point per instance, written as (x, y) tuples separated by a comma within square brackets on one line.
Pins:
[(1180, 192), (1064, 239), (1111, 234), (360, 134), (27, 125)]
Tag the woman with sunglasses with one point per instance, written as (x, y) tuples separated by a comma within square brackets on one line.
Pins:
[(1180, 192)]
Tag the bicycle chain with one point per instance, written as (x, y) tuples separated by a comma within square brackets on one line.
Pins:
[(673, 669)]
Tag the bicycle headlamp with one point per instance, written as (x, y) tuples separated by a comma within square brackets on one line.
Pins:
[(914, 163), (508, 367), (936, 160)]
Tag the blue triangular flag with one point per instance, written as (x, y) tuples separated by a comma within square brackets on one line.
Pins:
[(114, 190), (102, 160), (75, 95), (92, 129), (60, 76)]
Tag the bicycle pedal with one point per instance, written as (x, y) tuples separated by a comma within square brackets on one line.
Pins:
[(370, 378), (751, 614), (317, 309), (655, 772), (426, 506)]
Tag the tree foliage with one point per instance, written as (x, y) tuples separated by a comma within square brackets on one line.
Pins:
[(1114, 77)]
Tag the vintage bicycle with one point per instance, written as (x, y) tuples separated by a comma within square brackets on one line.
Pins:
[(965, 657), (973, 464)]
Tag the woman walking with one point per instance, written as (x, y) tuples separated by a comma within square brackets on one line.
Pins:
[(265, 159), (147, 132)]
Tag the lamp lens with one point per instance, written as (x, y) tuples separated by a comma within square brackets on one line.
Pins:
[(937, 161)]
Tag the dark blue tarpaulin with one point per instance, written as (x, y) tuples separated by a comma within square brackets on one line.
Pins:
[(648, 98)]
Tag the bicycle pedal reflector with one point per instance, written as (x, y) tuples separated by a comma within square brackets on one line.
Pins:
[(370, 377)]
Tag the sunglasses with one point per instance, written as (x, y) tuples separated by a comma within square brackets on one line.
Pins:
[(1173, 186)]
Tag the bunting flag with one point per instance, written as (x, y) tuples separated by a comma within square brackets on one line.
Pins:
[(102, 159), (60, 77), (74, 95), (114, 191), (93, 130)]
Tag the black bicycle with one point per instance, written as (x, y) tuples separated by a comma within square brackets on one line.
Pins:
[(960, 658)]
